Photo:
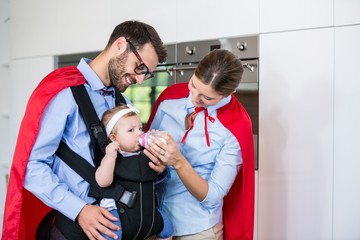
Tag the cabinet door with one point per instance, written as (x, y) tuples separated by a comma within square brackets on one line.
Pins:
[(346, 12), (346, 133), (296, 135), (211, 19), (83, 27), (280, 15)]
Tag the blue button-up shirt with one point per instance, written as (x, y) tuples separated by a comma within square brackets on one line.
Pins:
[(218, 164), (49, 178)]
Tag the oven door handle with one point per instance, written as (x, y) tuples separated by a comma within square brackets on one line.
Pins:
[(193, 67), (182, 68), (165, 70)]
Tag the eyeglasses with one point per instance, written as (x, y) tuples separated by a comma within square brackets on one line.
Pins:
[(142, 68)]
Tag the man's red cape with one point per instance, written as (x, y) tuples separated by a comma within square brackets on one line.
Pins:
[(23, 211), (238, 209)]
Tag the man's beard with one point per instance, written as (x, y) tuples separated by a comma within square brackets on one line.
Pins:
[(117, 72)]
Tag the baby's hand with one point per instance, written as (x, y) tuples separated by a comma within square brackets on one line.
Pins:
[(112, 149)]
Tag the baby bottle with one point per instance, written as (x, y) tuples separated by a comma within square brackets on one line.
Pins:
[(146, 137)]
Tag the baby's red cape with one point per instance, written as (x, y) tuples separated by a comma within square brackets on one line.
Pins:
[(23, 211), (238, 209)]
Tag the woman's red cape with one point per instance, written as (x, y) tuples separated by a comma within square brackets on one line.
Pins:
[(238, 209)]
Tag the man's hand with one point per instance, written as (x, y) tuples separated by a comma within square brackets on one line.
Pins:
[(95, 220)]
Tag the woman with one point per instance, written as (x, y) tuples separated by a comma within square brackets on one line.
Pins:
[(209, 152)]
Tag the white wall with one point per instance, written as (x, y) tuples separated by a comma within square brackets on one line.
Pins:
[(346, 133), (4, 99), (308, 91)]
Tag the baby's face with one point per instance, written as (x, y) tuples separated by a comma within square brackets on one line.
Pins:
[(128, 133)]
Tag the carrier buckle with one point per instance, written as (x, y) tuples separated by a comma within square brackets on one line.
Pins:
[(128, 198)]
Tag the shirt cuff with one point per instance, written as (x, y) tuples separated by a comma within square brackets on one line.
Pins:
[(213, 200), (161, 177), (71, 206)]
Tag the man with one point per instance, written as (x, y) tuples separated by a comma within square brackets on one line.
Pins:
[(52, 115)]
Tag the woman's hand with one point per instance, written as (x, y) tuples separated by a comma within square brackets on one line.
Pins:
[(156, 164), (166, 151)]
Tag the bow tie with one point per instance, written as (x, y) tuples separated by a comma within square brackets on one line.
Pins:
[(189, 123), (106, 92)]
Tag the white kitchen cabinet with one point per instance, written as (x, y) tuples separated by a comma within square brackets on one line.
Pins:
[(68, 27), (211, 19), (282, 15), (27, 78), (346, 134), (346, 12), (296, 135), (5, 88)]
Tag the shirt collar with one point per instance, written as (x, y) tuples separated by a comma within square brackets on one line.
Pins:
[(190, 106), (129, 154), (91, 77)]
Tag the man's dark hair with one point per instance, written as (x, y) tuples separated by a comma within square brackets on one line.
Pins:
[(139, 33)]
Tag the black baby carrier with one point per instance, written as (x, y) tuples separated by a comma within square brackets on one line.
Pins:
[(133, 189)]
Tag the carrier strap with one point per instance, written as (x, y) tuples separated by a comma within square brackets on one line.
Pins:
[(95, 128), (99, 140), (86, 171)]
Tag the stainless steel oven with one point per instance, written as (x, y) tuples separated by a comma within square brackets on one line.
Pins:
[(144, 96), (246, 48)]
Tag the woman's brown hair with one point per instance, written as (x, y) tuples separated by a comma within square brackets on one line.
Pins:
[(220, 69)]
